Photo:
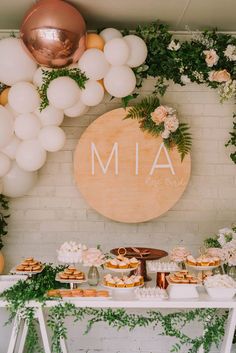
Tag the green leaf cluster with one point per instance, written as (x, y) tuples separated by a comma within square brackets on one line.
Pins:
[(4, 207), (48, 76)]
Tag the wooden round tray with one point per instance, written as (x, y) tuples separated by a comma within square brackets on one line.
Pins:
[(143, 255)]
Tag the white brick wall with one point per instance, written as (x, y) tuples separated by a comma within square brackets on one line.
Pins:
[(54, 211)]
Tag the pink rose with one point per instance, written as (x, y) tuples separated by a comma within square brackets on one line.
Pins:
[(211, 57), (171, 123), (165, 134), (179, 254), (160, 114), (219, 76)]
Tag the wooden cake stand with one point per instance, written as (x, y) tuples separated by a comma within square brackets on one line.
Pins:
[(143, 255)]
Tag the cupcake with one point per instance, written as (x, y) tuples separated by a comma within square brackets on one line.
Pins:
[(133, 262), (120, 284), (112, 263), (129, 283), (191, 260), (123, 265), (111, 283)]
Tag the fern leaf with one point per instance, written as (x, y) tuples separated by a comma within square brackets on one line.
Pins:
[(182, 138), (144, 108)]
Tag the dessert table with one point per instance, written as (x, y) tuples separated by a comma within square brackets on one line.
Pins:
[(128, 303)]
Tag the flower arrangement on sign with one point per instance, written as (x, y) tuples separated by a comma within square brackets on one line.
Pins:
[(162, 120)]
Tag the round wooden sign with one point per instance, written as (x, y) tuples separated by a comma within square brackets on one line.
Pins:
[(125, 174)]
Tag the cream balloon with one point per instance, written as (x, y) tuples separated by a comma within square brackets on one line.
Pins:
[(137, 50), (110, 33), (27, 126), (12, 111), (94, 64), (18, 182), (63, 92), (11, 148), (52, 138), (77, 110), (5, 164), (23, 97), (38, 75), (120, 81), (30, 155), (116, 51), (15, 64), (50, 116), (6, 126), (92, 94)]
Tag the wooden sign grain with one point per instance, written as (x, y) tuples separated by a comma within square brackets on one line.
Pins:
[(125, 174)]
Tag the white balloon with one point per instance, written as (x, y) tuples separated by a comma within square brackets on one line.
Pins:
[(50, 116), (52, 138), (18, 182), (94, 64), (15, 64), (38, 75), (110, 33), (30, 155), (23, 97), (27, 126), (5, 164), (116, 51), (63, 92), (120, 81), (11, 148), (77, 110), (11, 110), (138, 50), (92, 94), (6, 126)]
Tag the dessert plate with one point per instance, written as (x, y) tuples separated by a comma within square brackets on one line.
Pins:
[(76, 281), (202, 268), (121, 270), (122, 290), (14, 271)]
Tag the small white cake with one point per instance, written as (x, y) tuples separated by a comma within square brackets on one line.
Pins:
[(71, 252)]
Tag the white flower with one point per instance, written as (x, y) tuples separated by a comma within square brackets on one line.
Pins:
[(171, 123), (211, 57), (173, 45), (230, 52), (165, 134), (93, 257), (185, 79), (232, 259), (227, 90), (199, 76)]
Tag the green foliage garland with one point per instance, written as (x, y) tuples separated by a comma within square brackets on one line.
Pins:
[(3, 217), (213, 322), (142, 111), (48, 76), (232, 141), (183, 62)]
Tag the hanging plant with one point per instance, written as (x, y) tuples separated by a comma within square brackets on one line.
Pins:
[(160, 120), (3, 217)]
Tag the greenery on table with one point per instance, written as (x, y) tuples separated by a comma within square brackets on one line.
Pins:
[(4, 206), (212, 320), (184, 62), (143, 110), (50, 75)]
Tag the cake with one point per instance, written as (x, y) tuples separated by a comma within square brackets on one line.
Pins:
[(71, 252)]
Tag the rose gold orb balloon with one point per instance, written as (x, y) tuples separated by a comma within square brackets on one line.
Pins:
[(54, 33)]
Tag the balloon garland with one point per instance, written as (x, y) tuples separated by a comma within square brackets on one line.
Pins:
[(36, 99)]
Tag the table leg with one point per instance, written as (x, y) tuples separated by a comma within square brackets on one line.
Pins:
[(229, 332), (23, 338), (43, 330), (63, 345), (14, 334)]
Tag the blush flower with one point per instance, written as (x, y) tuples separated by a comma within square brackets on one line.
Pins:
[(230, 52), (171, 123), (165, 134), (211, 57), (219, 76), (160, 114), (179, 254), (93, 257)]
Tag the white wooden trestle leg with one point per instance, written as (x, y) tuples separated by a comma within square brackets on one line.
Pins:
[(14, 334), (23, 337), (43, 329), (229, 332)]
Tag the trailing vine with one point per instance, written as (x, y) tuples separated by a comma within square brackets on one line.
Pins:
[(50, 75), (213, 321), (4, 207)]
